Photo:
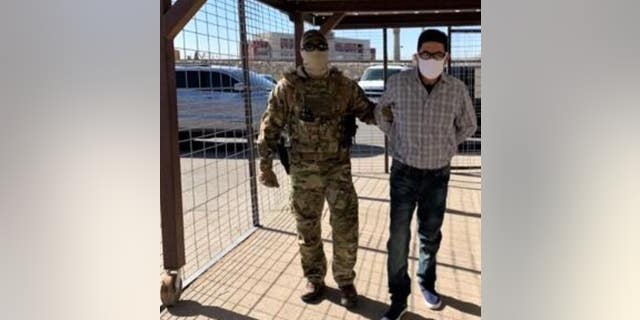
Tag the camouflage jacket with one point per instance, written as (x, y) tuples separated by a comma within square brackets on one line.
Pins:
[(330, 100)]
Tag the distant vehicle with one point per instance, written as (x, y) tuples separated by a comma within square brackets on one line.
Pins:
[(372, 83), (269, 77), (211, 101)]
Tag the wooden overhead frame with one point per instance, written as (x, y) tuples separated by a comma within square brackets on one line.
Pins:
[(424, 19), (320, 6), (370, 14), (331, 22), (333, 14)]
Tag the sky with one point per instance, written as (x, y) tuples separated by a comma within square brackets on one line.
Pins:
[(215, 30), (463, 45)]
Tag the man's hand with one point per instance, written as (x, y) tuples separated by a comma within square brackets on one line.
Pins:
[(268, 178), (387, 113)]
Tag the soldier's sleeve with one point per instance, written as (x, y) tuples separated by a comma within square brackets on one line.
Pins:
[(361, 106), (271, 125)]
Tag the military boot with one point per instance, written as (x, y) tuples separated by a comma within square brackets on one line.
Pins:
[(349, 296), (313, 291)]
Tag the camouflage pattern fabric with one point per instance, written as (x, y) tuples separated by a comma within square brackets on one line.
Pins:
[(320, 137), (312, 183), (320, 165)]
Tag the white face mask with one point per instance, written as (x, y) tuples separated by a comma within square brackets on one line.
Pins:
[(316, 62), (431, 68)]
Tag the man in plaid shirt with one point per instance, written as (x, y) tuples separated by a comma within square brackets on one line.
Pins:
[(426, 114)]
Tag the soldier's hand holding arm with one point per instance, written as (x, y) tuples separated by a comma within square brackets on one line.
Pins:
[(362, 107), (387, 112), (270, 128)]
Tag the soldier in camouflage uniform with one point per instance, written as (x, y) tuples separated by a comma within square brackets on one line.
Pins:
[(311, 105)]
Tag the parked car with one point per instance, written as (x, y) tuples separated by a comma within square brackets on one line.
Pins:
[(211, 101), (372, 82), (269, 77)]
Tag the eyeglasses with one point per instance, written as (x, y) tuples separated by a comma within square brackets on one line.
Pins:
[(316, 46), (425, 55)]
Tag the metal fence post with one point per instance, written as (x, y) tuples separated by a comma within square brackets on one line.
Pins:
[(384, 77), (244, 52), (448, 48), (298, 30)]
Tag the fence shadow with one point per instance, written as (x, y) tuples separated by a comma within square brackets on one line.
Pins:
[(367, 308), (190, 308), (240, 150), (366, 150), (462, 306)]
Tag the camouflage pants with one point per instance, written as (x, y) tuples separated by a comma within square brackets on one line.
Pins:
[(312, 183)]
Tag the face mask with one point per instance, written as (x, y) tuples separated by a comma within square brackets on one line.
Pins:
[(316, 62), (430, 68)]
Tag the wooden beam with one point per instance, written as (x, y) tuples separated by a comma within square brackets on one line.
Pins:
[(281, 5), (410, 20), (171, 218), (298, 30), (383, 5), (331, 22), (178, 16)]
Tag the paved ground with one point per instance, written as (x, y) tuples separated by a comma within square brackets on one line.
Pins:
[(216, 192), (261, 278)]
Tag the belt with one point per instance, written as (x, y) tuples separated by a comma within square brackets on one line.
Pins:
[(418, 171)]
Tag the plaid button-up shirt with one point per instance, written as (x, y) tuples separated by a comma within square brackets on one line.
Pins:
[(427, 127)]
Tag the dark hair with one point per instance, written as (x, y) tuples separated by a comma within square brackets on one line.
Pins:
[(433, 35)]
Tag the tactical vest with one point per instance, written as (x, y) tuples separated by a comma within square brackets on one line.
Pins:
[(315, 123)]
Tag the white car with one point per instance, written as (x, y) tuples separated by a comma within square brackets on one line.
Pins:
[(372, 83)]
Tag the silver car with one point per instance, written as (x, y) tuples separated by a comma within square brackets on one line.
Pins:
[(211, 100)]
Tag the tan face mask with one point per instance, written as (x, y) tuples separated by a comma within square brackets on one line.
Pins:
[(316, 63)]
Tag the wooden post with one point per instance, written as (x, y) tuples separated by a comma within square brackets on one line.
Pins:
[(170, 186)]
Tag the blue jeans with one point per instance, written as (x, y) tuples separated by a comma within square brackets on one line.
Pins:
[(428, 190)]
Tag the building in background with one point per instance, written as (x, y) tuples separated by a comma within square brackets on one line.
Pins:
[(281, 46)]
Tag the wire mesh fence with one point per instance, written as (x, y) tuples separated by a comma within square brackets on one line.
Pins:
[(271, 54), (215, 88), (211, 93), (466, 65)]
